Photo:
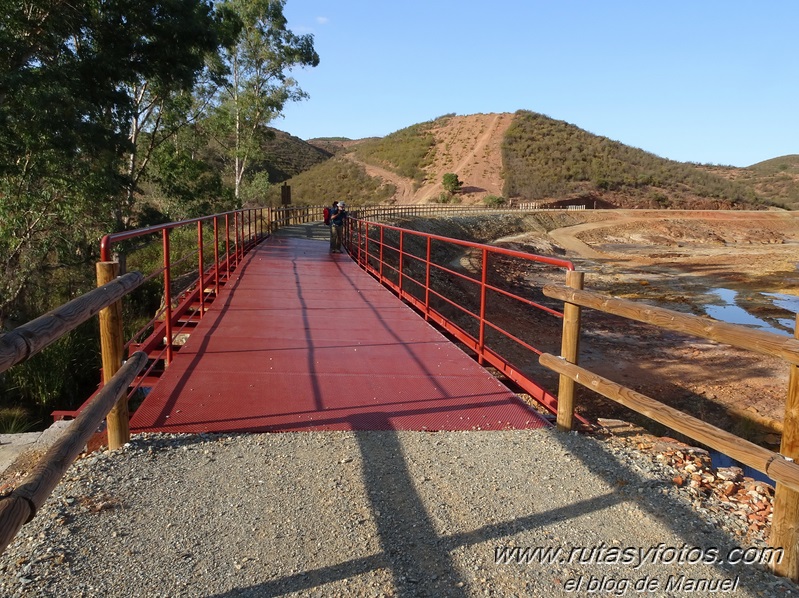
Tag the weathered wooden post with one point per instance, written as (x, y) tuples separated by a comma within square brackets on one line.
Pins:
[(570, 346), (785, 521), (112, 350)]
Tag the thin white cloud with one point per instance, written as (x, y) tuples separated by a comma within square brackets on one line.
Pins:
[(322, 20)]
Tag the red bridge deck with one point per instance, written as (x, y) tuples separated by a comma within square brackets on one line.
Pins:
[(303, 340)]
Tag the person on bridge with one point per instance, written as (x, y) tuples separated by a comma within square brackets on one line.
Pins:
[(337, 227), (328, 215)]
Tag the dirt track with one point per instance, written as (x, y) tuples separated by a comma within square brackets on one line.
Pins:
[(677, 260), (469, 146)]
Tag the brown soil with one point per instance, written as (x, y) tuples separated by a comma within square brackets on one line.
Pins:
[(675, 260), (469, 146), (672, 259)]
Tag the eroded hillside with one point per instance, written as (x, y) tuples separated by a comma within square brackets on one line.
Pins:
[(528, 157), (469, 146)]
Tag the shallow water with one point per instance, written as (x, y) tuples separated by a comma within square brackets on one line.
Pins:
[(732, 313)]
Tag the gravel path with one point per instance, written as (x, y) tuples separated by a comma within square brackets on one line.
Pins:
[(372, 514)]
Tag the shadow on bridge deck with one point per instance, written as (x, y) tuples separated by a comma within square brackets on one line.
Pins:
[(303, 340)]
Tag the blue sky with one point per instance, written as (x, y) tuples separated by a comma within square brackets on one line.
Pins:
[(704, 80)]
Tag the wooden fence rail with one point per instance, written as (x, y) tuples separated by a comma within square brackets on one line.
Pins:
[(759, 341), (772, 464), (27, 340), (779, 466), (21, 505)]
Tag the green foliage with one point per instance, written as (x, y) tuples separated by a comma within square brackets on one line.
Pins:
[(451, 182), (286, 156), (494, 201), (406, 152), (255, 189), (15, 420), (447, 197), (57, 376), (543, 157), (189, 187), (334, 179), (68, 74), (255, 79)]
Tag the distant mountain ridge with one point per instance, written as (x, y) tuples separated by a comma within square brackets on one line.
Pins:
[(523, 157)]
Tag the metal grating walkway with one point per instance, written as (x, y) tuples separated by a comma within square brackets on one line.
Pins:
[(303, 340)]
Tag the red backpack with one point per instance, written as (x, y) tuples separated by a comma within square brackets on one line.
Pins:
[(326, 214)]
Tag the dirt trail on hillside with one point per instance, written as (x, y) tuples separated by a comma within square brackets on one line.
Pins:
[(469, 146), (472, 150)]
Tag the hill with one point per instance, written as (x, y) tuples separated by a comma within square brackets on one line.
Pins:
[(530, 157), (776, 179), (288, 156)]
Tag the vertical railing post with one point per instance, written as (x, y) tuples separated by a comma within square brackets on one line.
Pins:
[(569, 349), (365, 242), (201, 266), (227, 246), (243, 241), (112, 353), (236, 239), (399, 281), (427, 281), (482, 334), (216, 256), (785, 521), (167, 298), (382, 238)]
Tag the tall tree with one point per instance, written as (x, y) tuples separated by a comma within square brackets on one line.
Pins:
[(162, 98), (67, 71), (258, 83)]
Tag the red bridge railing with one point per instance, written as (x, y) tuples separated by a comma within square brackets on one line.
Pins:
[(463, 288)]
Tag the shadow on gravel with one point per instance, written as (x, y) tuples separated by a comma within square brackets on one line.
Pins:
[(417, 557)]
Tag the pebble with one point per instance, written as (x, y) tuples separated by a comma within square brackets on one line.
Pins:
[(414, 513)]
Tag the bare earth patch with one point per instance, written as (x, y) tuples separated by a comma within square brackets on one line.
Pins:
[(469, 146)]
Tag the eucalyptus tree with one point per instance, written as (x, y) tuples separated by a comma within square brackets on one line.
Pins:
[(168, 95), (257, 83)]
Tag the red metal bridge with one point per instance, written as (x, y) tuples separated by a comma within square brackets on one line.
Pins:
[(274, 333), (299, 339)]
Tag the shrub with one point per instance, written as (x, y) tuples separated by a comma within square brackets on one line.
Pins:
[(451, 182), (494, 201)]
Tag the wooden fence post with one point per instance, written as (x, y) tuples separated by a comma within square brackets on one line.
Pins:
[(785, 522), (111, 346), (570, 346)]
